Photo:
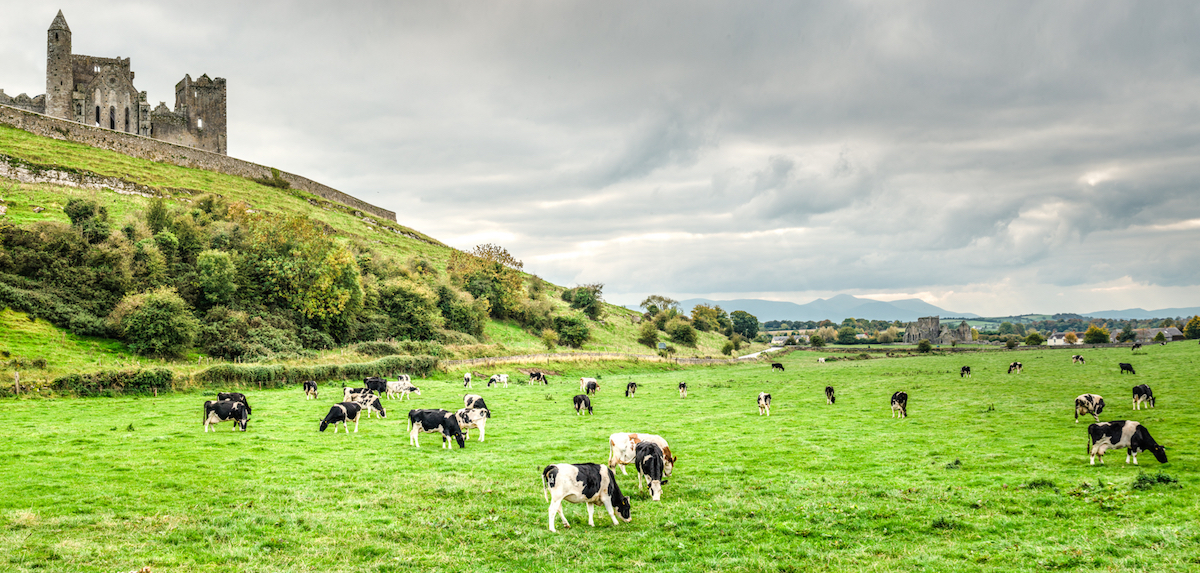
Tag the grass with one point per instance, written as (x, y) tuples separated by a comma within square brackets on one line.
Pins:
[(987, 474)]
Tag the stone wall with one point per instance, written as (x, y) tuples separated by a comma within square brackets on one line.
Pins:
[(163, 152)]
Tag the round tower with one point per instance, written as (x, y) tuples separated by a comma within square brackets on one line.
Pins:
[(60, 80)]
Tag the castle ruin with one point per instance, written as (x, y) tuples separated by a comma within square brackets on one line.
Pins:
[(931, 328), (99, 92)]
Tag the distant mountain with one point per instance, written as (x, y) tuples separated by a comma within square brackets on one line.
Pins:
[(834, 308), (1138, 313)]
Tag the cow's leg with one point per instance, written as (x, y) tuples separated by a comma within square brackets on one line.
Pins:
[(591, 513), (608, 505), (355, 424), (412, 437), (1096, 416), (1130, 453), (639, 476), (481, 426)]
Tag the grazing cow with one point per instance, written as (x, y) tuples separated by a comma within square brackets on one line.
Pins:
[(1015, 367), (1123, 434), (821, 360), (622, 446), (589, 385), (473, 401), (538, 377), (683, 389), (217, 411), (764, 403), (473, 418), (630, 389), (1089, 404), (376, 385), (1077, 359), (964, 372), (371, 404), (498, 379), (829, 397), (900, 405), (590, 484), (467, 380), (403, 387), (343, 412), (1142, 395), (648, 461), (1136, 346), (582, 402), (1126, 367), (352, 394), (236, 397), (435, 421), (310, 390), (776, 366)]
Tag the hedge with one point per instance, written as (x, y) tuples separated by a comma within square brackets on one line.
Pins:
[(116, 381), (278, 375)]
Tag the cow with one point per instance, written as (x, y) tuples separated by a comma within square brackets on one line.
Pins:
[(342, 412), (403, 387), (538, 377), (621, 448), (236, 397), (589, 385), (1078, 359), (217, 411), (1123, 434), (352, 394), (1089, 404), (590, 484), (829, 397), (582, 402), (1142, 395), (1015, 367), (473, 418), (630, 389), (467, 380), (683, 389), (1136, 346), (776, 366), (376, 385), (964, 372), (370, 403), (473, 401), (648, 461), (1126, 367), (310, 390), (821, 360), (764, 403), (900, 405), (435, 421), (498, 379)]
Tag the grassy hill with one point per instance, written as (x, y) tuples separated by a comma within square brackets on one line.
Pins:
[(36, 342)]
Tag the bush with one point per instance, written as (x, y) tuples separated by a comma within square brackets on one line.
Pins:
[(681, 332), (648, 334), (571, 331), (120, 381), (924, 345), (1095, 335), (1011, 343), (587, 298), (461, 312), (314, 339), (816, 341), (1034, 339), (549, 338), (376, 349), (1160, 337), (274, 339), (155, 323), (727, 349), (276, 376)]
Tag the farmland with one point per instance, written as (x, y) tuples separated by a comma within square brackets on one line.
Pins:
[(987, 473)]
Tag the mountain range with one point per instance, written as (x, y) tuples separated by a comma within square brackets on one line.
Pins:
[(1138, 313), (834, 308)]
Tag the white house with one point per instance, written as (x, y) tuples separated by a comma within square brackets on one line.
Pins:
[(1059, 339)]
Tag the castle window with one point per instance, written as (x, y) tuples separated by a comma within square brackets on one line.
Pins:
[(96, 69), (199, 123), (97, 116), (126, 120), (112, 117)]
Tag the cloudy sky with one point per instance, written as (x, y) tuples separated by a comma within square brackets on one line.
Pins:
[(997, 158)]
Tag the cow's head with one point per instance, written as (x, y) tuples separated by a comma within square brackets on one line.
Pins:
[(655, 488), (1099, 406), (324, 424), (1160, 453), (621, 504), (241, 422), (377, 404), (458, 437)]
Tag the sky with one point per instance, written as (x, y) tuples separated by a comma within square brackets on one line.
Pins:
[(989, 157)]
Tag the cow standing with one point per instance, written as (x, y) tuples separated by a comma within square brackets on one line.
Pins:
[(582, 402), (590, 484), (217, 411), (376, 385), (589, 385), (403, 387), (342, 412), (1015, 367), (1126, 367), (473, 401), (236, 397), (630, 389), (1122, 434), (964, 372), (829, 397), (764, 403), (473, 418), (1089, 404), (683, 389), (1136, 346), (776, 366), (622, 446), (497, 380), (310, 390), (371, 404), (353, 394), (900, 405), (1142, 395), (538, 377), (648, 461), (1078, 359), (435, 421), (467, 380)]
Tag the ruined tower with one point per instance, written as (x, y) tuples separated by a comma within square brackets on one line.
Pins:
[(60, 81), (202, 102)]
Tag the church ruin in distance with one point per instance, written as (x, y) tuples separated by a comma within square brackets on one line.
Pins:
[(99, 92), (931, 328)]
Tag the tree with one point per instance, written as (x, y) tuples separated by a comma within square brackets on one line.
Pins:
[(744, 323), (1011, 342), (924, 346), (681, 332), (1160, 337), (217, 275), (648, 334), (572, 331), (707, 318), (1034, 339), (586, 298), (1127, 335), (847, 335), (1070, 338), (727, 349), (1095, 335), (1006, 328), (816, 341), (657, 303), (1192, 330), (89, 218), (155, 323), (157, 216), (549, 338), (974, 334), (412, 310), (489, 272)]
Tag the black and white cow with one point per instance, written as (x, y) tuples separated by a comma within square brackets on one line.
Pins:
[(376, 385), (236, 397), (582, 402), (1126, 367), (1123, 434), (473, 401), (683, 389), (900, 405), (1015, 367), (776, 366), (829, 397), (1142, 395), (1089, 404), (352, 394), (310, 390), (473, 418), (538, 377), (1136, 346), (964, 372), (764, 403), (435, 421), (498, 379), (371, 404), (403, 387), (1078, 359), (648, 460), (623, 445), (344, 412), (589, 385), (590, 484), (467, 380), (630, 389), (217, 411)]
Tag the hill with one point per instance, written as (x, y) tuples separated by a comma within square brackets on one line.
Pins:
[(834, 308), (1141, 314)]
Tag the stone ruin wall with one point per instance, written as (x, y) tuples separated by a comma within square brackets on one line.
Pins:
[(164, 152), (930, 328)]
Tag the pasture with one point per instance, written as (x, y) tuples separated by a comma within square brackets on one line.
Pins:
[(987, 474)]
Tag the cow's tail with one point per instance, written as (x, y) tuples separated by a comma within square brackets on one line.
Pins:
[(1088, 451)]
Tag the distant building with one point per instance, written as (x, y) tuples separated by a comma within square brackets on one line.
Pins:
[(1147, 334), (930, 328), (1060, 339)]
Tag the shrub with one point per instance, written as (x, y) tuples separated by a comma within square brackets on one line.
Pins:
[(681, 332), (587, 298), (274, 339), (119, 381), (571, 331), (275, 375), (1034, 339), (155, 323), (1160, 337), (1011, 342), (1095, 335), (89, 218), (816, 341), (648, 334), (314, 339), (549, 338), (376, 349), (462, 313), (727, 349), (924, 345)]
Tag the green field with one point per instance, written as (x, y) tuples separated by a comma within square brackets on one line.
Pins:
[(987, 473)]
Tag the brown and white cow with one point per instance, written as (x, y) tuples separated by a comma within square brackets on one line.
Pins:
[(1089, 404), (622, 447), (589, 484), (1122, 434), (403, 387), (589, 385), (764, 403)]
